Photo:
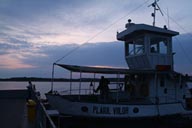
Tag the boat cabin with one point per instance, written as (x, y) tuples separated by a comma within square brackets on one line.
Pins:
[(147, 47)]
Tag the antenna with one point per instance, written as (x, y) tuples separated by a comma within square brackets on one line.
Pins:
[(156, 8), (168, 18)]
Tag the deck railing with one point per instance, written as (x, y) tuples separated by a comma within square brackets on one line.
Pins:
[(43, 120)]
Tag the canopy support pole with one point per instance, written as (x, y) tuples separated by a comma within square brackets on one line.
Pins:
[(117, 86), (80, 85), (52, 79), (70, 82), (94, 83)]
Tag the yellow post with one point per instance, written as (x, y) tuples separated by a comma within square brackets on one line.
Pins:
[(31, 107)]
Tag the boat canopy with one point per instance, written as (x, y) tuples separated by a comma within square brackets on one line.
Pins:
[(103, 70)]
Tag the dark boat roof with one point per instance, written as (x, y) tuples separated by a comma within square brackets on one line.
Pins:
[(104, 70), (136, 28)]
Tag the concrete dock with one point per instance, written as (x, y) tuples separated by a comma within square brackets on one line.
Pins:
[(14, 110)]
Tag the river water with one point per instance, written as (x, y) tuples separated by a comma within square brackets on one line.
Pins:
[(43, 87)]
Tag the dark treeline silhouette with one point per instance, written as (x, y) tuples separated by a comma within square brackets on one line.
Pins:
[(55, 79)]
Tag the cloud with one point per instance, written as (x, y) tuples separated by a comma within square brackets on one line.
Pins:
[(103, 54), (14, 52), (42, 58), (11, 62), (182, 47), (34, 34), (9, 45), (38, 60), (61, 22)]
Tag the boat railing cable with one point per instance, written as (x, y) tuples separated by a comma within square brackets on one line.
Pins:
[(184, 52), (157, 8), (102, 31), (179, 42), (179, 25)]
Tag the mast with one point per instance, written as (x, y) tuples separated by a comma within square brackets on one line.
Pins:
[(156, 8), (52, 79)]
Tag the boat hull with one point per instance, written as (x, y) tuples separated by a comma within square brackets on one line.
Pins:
[(115, 110), (100, 110), (94, 115)]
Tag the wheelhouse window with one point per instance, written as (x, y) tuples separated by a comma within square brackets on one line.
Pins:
[(131, 48), (135, 47), (159, 45), (139, 46)]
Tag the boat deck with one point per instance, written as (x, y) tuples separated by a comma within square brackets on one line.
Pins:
[(13, 109), (15, 113)]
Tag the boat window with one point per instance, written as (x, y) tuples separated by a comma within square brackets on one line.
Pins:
[(163, 46), (131, 49), (139, 46), (139, 49), (153, 48), (126, 49), (159, 45), (136, 47)]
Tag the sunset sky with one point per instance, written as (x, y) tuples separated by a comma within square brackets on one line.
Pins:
[(36, 33)]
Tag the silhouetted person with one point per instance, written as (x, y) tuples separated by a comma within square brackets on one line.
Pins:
[(153, 50), (30, 88), (103, 87)]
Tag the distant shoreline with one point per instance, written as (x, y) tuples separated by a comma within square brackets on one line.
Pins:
[(24, 79)]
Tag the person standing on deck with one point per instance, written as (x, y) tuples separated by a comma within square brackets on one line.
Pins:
[(30, 88), (103, 87)]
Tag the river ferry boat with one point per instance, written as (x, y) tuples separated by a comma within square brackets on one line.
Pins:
[(149, 88)]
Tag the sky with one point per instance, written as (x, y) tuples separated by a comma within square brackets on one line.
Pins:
[(36, 33)]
